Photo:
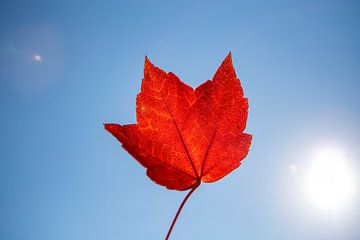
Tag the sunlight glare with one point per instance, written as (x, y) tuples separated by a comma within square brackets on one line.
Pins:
[(293, 168), (329, 184)]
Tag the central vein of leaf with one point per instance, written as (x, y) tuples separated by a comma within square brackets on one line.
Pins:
[(182, 141), (207, 152)]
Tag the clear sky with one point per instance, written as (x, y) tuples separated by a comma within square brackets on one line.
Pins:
[(66, 67)]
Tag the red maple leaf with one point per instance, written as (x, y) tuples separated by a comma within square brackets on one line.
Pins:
[(185, 136)]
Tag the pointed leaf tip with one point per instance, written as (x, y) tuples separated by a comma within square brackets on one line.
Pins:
[(229, 55), (228, 59), (148, 66), (110, 127), (147, 61)]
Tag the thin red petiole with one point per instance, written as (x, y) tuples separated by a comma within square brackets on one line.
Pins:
[(197, 184)]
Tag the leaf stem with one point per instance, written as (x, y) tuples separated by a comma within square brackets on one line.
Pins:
[(197, 184)]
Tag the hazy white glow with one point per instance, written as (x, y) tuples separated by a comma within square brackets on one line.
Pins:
[(293, 168), (329, 183), (37, 58)]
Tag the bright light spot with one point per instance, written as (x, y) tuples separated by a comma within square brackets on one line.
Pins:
[(329, 183), (37, 58), (293, 168)]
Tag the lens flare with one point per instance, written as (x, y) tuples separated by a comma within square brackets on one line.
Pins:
[(37, 58)]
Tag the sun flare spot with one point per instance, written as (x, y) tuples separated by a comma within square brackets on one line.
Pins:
[(37, 58), (329, 183)]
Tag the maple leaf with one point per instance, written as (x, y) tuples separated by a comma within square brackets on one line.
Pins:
[(185, 136)]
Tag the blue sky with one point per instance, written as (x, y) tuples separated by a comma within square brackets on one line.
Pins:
[(63, 177)]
